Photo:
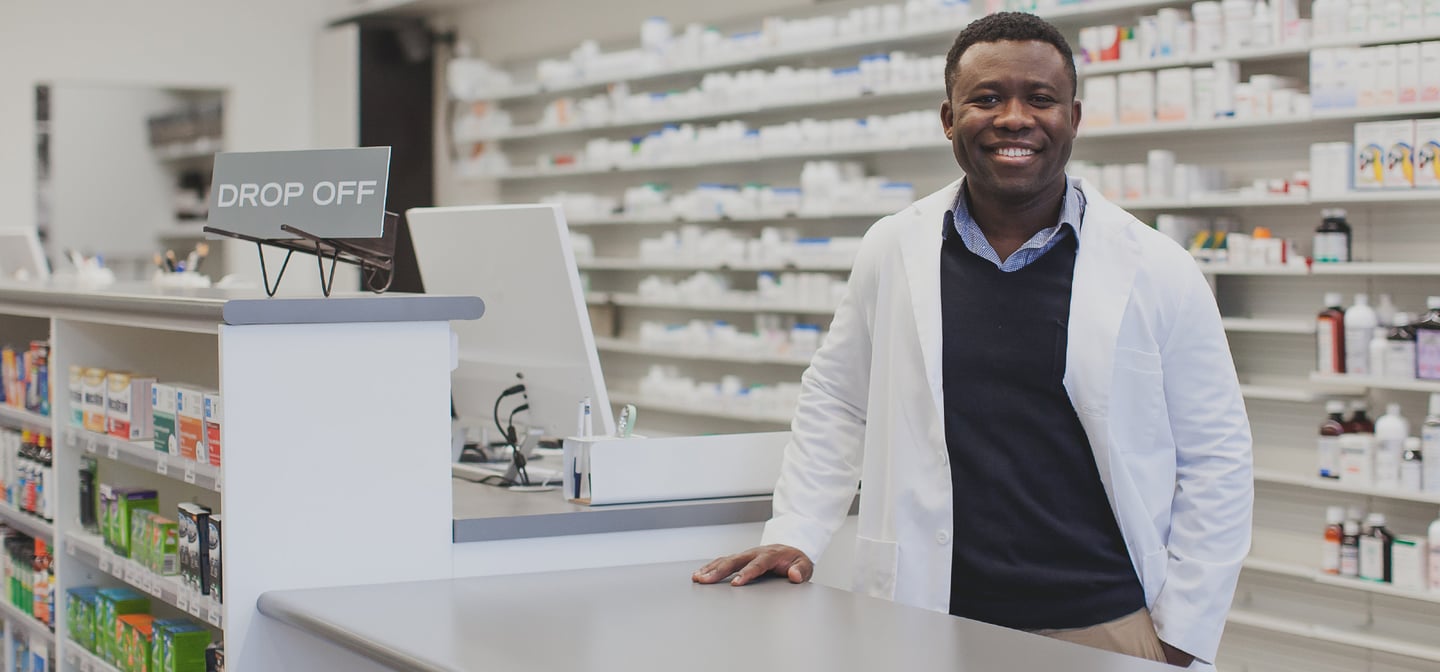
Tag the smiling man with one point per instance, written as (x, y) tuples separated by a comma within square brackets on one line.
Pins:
[(1035, 389)]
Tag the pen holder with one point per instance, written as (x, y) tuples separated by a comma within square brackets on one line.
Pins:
[(180, 280)]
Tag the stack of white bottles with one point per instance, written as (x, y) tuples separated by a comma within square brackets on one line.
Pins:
[(1369, 551), (1381, 455), (1379, 341)]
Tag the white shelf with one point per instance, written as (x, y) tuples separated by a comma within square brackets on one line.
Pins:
[(31, 525), (1213, 201), (887, 41), (626, 264), (1276, 567), (27, 622), (1367, 40), (1303, 572), (1245, 54), (1268, 326), (1225, 269), (77, 658), (1380, 196), (855, 150), (144, 456), (631, 347), (1298, 391), (1165, 127), (168, 589), (647, 404), (19, 418), (1377, 111), (202, 148), (1376, 268), (1276, 476), (524, 132), (750, 306), (1378, 382), (675, 221), (1348, 637)]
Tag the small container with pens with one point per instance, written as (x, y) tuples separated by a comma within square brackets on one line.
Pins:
[(172, 271)]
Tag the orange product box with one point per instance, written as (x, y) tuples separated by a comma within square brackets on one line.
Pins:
[(190, 420)]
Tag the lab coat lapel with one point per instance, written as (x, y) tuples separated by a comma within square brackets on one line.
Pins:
[(920, 250), (1105, 268)]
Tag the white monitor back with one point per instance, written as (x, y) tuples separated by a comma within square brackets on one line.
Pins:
[(517, 258), (20, 255)]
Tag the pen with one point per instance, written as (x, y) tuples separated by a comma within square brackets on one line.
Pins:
[(586, 422)]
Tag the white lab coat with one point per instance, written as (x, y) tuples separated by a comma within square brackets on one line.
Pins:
[(1149, 373)]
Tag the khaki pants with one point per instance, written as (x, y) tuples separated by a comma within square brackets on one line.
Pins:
[(1132, 635)]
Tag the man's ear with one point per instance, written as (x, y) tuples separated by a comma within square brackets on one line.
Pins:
[(947, 122)]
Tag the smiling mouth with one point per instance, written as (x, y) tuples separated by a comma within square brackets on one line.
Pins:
[(1014, 152)]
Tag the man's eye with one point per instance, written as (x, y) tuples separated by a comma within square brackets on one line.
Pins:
[(986, 100), (1042, 100)]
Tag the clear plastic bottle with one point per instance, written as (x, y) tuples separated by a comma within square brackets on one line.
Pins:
[(1399, 357), (1430, 445), (1328, 445), (1375, 549), (1385, 311), (1412, 466), (1427, 341), (1334, 531), (1350, 549), (1360, 323), (1391, 430)]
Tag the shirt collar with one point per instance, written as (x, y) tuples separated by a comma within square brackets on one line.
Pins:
[(1072, 211)]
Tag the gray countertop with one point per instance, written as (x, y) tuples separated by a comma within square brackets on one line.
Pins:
[(139, 301), (489, 513), (652, 618)]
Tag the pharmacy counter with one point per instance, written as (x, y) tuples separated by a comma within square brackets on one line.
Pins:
[(488, 513), (651, 617)]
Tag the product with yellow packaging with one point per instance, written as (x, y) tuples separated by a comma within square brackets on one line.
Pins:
[(1399, 154), (93, 387), (1427, 153)]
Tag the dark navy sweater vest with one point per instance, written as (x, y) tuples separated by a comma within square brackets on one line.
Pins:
[(1036, 545)]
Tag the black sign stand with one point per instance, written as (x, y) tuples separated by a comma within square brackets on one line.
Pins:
[(374, 256)]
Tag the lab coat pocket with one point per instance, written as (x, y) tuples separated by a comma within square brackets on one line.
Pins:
[(1152, 569), (875, 564), (1137, 400)]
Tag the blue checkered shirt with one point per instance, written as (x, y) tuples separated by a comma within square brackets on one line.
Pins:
[(1072, 211)]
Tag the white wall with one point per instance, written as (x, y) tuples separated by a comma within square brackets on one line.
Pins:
[(260, 51)]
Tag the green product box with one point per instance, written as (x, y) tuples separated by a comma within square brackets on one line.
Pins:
[(127, 502), (164, 546), (111, 604), (179, 646), (107, 513), (140, 536), (162, 405), (135, 635), (80, 605)]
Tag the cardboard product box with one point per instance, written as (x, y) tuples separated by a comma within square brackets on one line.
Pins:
[(164, 546), (179, 646), (140, 537), (1137, 98), (93, 387), (190, 419), (214, 418), (129, 502), (1430, 71), (107, 513), (77, 395), (1366, 86), (1174, 94), (80, 605), (193, 549), (1399, 143), (127, 407), (1346, 91), (1369, 160), (215, 658), (1102, 99), (1408, 561), (1322, 79), (1427, 153), (217, 582), (111, 604), (1387, 75), (136, 633), (162, 418), (1407, 73)]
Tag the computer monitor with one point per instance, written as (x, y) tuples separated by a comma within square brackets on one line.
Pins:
[(20, 255), (519, 260)]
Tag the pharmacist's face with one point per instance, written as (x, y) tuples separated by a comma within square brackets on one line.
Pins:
[(1011, 118)]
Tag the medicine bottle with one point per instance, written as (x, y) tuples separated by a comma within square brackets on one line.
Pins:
[(1330, 335)]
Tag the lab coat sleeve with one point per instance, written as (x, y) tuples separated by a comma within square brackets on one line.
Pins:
[(1214, 483), (821, 467)]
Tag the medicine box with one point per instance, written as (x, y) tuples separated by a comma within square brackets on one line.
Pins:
[(1174, 95), (127, 404), (111, 604), (93, 389), (1101, 100), (1369, 159), (179, 646), (215, 658), (1408, 559), (77, 395), (1202, 95), (1407, 73), (1345, 81), (1387, 75), (163, 546), (162, 414), (189, 419), (135, 634), (129, 502), (1137, 97), (1399, 143), (80, 604), (1430, 71), (214, 416), (194, 549), (1366, 85), (217, 583), (1427, 153)]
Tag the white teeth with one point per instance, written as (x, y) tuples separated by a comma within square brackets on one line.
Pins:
[(1014, 151)]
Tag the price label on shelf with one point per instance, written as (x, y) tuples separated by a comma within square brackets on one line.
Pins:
[(71, 440), (91, 446), (114, 452), (104, 563), (218, 481), (182, 600), (85, 665), (214, 615), (162, 466), (190, 474), (195, 607), (70, 549)]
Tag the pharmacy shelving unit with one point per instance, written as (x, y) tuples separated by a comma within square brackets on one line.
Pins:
[(1269, 310), (303, 409)]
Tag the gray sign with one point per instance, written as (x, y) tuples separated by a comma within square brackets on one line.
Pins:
[(332, 193)]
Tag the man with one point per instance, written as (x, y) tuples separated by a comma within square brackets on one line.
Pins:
[(1035, 387)]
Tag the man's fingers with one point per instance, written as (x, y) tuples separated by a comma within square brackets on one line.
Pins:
[(752, 571), (720, 568), (801, 570)]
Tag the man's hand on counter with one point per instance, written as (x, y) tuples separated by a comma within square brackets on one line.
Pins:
[(774, 559)]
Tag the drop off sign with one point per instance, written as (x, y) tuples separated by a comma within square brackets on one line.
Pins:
[(331, 193)]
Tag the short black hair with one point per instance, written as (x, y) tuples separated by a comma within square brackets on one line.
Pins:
[(1009, 27)]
